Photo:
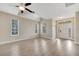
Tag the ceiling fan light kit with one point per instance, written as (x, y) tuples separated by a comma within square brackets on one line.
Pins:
[(23, 7)]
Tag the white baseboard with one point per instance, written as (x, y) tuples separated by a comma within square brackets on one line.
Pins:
[(46, 37), (32, 37), (11, 41)]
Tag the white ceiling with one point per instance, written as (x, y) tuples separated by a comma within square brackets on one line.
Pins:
[(45, 10)]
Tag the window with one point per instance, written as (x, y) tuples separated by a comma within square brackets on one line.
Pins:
[(35, 28), (14, 27), (44, 28), (69, 30)]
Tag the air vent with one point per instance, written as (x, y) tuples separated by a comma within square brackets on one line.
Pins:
[(69, 4)]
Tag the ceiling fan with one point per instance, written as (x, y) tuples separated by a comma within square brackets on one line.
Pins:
[(23, 7)]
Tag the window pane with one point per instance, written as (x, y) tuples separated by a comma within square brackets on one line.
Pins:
[(14, 27)]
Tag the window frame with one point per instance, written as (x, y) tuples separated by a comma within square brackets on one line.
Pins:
[(17, 28)]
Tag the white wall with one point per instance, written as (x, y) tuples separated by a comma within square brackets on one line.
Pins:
[(54, 29), (77, 27), (26, 28)]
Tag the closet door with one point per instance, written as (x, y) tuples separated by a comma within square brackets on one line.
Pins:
[(67, 30), (60, 30)]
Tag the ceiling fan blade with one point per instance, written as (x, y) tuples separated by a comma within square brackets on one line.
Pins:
[(27, 4), (29, 10), (17, 6)]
